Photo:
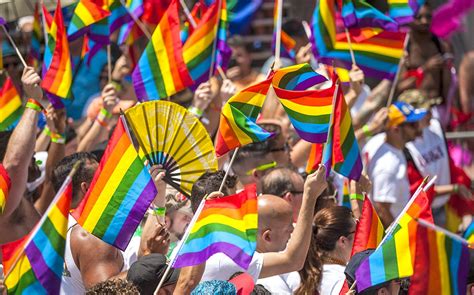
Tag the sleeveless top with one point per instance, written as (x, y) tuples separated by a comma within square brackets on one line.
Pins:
[(71, 281)]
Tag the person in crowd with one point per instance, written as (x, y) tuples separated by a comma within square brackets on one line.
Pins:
[(266, 264), (330, 250), (387, 166), (114, 286)]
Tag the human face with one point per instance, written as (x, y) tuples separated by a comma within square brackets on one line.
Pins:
[(280, 233), (179, 223), (410, 131), (297, 194), (242, 57), (422, 20)]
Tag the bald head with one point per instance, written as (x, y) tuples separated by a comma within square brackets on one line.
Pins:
[(272, 208)]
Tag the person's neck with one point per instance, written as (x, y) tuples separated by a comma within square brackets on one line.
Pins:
[(395, 141), (420, 37)]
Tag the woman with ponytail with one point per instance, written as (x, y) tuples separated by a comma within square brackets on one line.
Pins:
[(329, 252)]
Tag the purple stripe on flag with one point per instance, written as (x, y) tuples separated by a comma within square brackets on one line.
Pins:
[(235, 253), (138, 84), (45, 276), (363, 275), (313, 137), (310, 82)]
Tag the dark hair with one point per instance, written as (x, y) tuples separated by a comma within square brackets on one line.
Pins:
[(4, 138), (329, 224), (238, 41), (210, 182), (114, 286), (294, 28), (84, 172), (278, 182)]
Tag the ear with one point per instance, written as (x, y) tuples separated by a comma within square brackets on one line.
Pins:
[(167, 221), (382, 291), (288, 197), (266, 236), (84, 187)]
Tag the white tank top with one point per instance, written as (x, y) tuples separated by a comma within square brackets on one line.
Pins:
[(71, 282)]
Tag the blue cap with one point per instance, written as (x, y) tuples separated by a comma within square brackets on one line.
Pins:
[(7, 49), (402, 112)]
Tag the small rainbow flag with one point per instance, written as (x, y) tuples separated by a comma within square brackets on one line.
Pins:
[(395, 257), (119, 194), (223, 51), (161, 71), (376, 52), (309, 110), (369, 231), (315, 157), (225, 225), (404, 11), (441, 264), (237, 126), (469, 233), (10, 105), (346, 198), (86, 13), (360, 14), (5, 185), (57, 80), (135, 7), (287, 42), (341, 151), (35, 265), (34, 55)]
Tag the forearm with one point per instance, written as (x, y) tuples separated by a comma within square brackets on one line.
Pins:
[(42, 142), (350, 97), (189, 278), (93, 136), (300, 153), (374, 102), (18, 157), (383, 210), (444, 189)]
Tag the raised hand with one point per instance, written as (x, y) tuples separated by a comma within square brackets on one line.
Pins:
[(31, 83)]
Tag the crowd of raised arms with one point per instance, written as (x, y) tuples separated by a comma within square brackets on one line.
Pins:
[(144, 149)]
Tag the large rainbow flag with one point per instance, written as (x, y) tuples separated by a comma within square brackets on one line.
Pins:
[(309, 110), (35, 265), (225, 225), (5, 184), (360, 14), (10, 105), (369, 231), (341, 151), (34, 55), (57, 80), (86, 13), (119, 194), (441, 264), (237, 126), (161, 71), (394, 258), (404, 11), (377, 54)]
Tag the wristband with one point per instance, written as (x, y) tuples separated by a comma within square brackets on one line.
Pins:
[(34, 105), (197, 112), (356, 197), (102, 123), (159, 211), (456, 188), (60, 140), (117, 85), (366, 130), (106, 113), (47, 131)]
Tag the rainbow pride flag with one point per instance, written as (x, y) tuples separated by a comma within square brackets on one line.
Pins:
[(315, 157), (34, 55), (5, 184), (441, 264), (135, 7), (86, 13), (161, 71), (341, 151), (369, 231), (225, 225), (119, 194), (237, 126), (10, 105), (377, 53), (57, 80), (395, 257), (223, 51), (287, 42), (360, 14), (404, 11), (346, 198), (309, 110), (469, 233), (35, 265)]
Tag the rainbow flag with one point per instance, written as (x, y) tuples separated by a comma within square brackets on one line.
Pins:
[(10, 105), (35, 265), (346, 198), (135, 7), (237, 126), (5, 184), (378, 56), (441, 264), (119, 194), (309, 110), (360, 14), (86, 13), (287, 42), (315, 157), (225, 225), (469, 233), (395, 257), (369, 231), (57, 80), (404, 11), (223, 51), (161, 71), (34, 55), (341, 151)]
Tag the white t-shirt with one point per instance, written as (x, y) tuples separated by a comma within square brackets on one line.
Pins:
[(387, 169), (333, 279), (286, 283), (430, 155), (221, 267)]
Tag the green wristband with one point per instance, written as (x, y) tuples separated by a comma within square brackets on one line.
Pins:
[(197, 112), (106, 113), (356, 197), (366, 130), (159, 211)]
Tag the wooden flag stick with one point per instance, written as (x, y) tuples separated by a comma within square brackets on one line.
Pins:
[(109, 64), (397, 75), (348, 37), (12, 43), (440, 229), (139, 23), (278, 32)]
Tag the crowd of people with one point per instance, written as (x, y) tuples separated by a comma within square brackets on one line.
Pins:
[(305, 234)]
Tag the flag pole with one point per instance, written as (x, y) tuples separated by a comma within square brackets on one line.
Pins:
[(278, 31), (440, 229), (348, 37), (397, 75), (2, 23), (140, 24), (109, 63), (228, 169)]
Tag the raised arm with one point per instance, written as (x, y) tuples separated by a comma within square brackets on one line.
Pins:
[(294, 256)]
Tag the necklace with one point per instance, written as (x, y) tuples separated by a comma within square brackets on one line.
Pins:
[(332, 260)]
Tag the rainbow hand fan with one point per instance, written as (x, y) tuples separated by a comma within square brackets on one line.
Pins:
[(170, 136)]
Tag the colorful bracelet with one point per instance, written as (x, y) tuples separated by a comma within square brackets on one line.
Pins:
[(47, 131), (456, 188), (102, 123), (159, 211), (356, 197), (34, 105), (197, 112), (117, 85), (106, 113), (366, 130), (60, 140)]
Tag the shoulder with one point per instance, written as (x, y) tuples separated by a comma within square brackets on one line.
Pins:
[(85, 245)]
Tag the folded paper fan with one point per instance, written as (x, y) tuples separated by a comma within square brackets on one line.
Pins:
[(170, 136)]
